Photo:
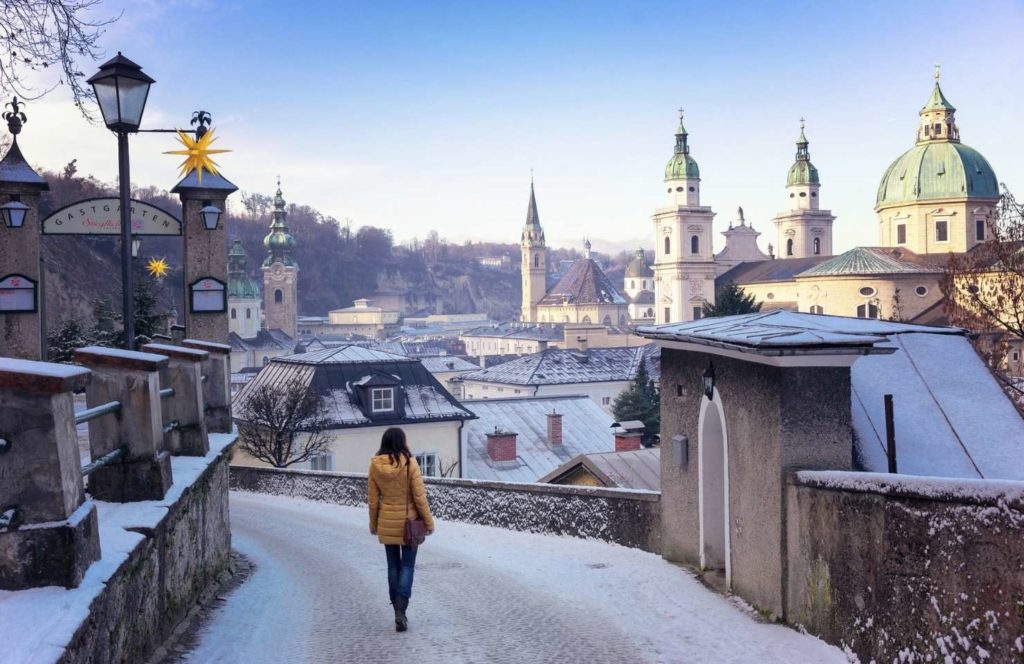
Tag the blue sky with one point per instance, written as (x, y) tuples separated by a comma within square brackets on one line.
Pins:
[(430, 115)]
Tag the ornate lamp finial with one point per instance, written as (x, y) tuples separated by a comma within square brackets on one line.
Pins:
[(938, 71), (202, 120), (15, 117)]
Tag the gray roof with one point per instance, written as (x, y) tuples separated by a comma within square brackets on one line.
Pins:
[(210, 181), (635, 469), (585, 428), (754, 272), (347, 354), (14, 168), (952, 419), (556, 366), (584, 283), (264, 340), (443, 363), (544, 332), (787, 332)]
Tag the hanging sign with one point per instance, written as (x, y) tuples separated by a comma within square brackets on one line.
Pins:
[(17, 294), (208, 295), (102, 216)]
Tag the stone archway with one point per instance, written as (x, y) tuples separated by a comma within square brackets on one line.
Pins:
[(713, 488)]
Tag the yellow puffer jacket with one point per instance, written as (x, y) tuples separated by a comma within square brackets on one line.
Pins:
[(388, 496)]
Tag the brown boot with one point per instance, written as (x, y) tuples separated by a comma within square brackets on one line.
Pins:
[(401, 604)]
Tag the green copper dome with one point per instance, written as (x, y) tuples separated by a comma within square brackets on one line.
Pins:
[(240, 285), (279, 242), (934, 170), (802, 171), (681, 166)]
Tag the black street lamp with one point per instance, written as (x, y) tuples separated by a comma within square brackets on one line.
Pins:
[(121, 90), (210, 215), (707, 381)]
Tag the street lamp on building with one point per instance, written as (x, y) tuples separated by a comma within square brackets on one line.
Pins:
[(210, 215), (121, 91)]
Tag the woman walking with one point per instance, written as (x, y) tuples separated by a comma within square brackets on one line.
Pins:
[(396, 495)]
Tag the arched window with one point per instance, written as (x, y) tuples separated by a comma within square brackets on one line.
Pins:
[(789, 247), (234, 314), (867, 310), (668, 246), (632, 283), (536, 260), (586, 319), (817, 246), (248, 312), (694, 244), (817, 309), (645, 284), (607, 320), (650, 313), (278, 296)]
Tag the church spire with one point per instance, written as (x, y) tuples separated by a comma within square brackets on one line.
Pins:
[(279, 242), (532, 231), (682, 147), (938, 117)]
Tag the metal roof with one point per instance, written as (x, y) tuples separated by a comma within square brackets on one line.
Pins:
[(347, 354), (443, 363), (873, 260), (543, 332), (634, 469), (787, 332), (556, 366), (14, 169), (585, 428)]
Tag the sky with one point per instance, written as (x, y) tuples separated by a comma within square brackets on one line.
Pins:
[(420, 116)]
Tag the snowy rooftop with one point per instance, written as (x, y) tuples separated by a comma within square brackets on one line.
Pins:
[(787, 332), (556, 366), (443, 363), (543, 332), (585, 428), (951, 417), (347, 354), (633, 469)]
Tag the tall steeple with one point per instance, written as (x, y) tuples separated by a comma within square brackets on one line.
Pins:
[(280, 272), (682, 175), (804, 230), (938, 117), (535, 260)]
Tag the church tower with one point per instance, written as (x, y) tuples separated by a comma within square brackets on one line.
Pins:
[(805, 230), (280, 273), (684, 268), (535, 261), (243, 295)]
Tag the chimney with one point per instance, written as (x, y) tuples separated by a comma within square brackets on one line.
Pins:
[(555, 428), (626, 441), (501, 446), (582, 343)]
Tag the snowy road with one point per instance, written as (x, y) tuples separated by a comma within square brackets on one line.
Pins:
[(319, 594)]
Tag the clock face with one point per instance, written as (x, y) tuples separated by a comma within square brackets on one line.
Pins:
[(278, 270)]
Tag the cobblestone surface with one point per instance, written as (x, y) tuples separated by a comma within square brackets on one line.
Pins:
[(319, 594)]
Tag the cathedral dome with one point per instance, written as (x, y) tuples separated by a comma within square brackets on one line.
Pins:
[(682, 167), (638, 267), (935, 170)]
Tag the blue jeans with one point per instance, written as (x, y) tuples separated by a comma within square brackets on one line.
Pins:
[(401, 567)]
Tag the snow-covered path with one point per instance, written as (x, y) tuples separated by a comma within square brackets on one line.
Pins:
[(319, 594)]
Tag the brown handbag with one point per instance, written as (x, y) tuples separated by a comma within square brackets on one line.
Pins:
[(415, 529)]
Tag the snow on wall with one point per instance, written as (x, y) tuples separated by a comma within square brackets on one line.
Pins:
[(908, 569), (629, 518)]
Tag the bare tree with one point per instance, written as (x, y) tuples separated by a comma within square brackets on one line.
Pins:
[(256, 204), (284, 424), (39, 35), (449, 469), (984, 287)]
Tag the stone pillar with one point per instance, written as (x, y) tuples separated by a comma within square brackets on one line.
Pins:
[(184, 421), (21, 332), (49, 533), (206, 252), (217, 386), (134, 380)]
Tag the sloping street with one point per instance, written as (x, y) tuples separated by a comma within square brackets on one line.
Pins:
[(319, 594)]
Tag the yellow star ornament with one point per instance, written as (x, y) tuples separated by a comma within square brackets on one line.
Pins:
[(197, 154), (158, 267)]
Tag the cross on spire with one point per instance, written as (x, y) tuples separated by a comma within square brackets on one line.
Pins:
[(938, 71), (801, 124)]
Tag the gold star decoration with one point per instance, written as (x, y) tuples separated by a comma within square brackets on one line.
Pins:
[(157, 267), (197, 154)]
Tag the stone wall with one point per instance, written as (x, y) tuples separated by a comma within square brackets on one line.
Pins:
[(626, 517), (179, 559), (898, 568)]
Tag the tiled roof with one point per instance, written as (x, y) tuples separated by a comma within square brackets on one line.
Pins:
[(755, 272), (584, 283), (557, 366), (786, 332), (643, 297), (634, 469), (445, 363), (585, 428), (544, 332), (337, 373), (873, 260), (264, 340)]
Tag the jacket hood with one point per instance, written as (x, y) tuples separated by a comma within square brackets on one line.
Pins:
[(382, 462)]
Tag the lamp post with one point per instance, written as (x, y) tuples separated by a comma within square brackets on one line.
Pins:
[(121, 90)]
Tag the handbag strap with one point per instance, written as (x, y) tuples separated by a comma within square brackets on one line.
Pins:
[(408, 495)]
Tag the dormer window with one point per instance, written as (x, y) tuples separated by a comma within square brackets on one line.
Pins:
[(382, 399)]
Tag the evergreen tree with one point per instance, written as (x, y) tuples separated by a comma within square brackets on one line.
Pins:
[(106, 326), (61, 345), (731, 300), (149, 320), (640, 402)]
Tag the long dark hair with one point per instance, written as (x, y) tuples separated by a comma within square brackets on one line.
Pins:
[(393, 444)]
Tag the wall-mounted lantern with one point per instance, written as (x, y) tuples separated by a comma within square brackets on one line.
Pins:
[(14, 213), (708, 381), (211, 216)]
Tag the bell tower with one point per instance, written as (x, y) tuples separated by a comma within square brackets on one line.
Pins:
[(534, 262), (684, 267), (280, 273), (805, 230)]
